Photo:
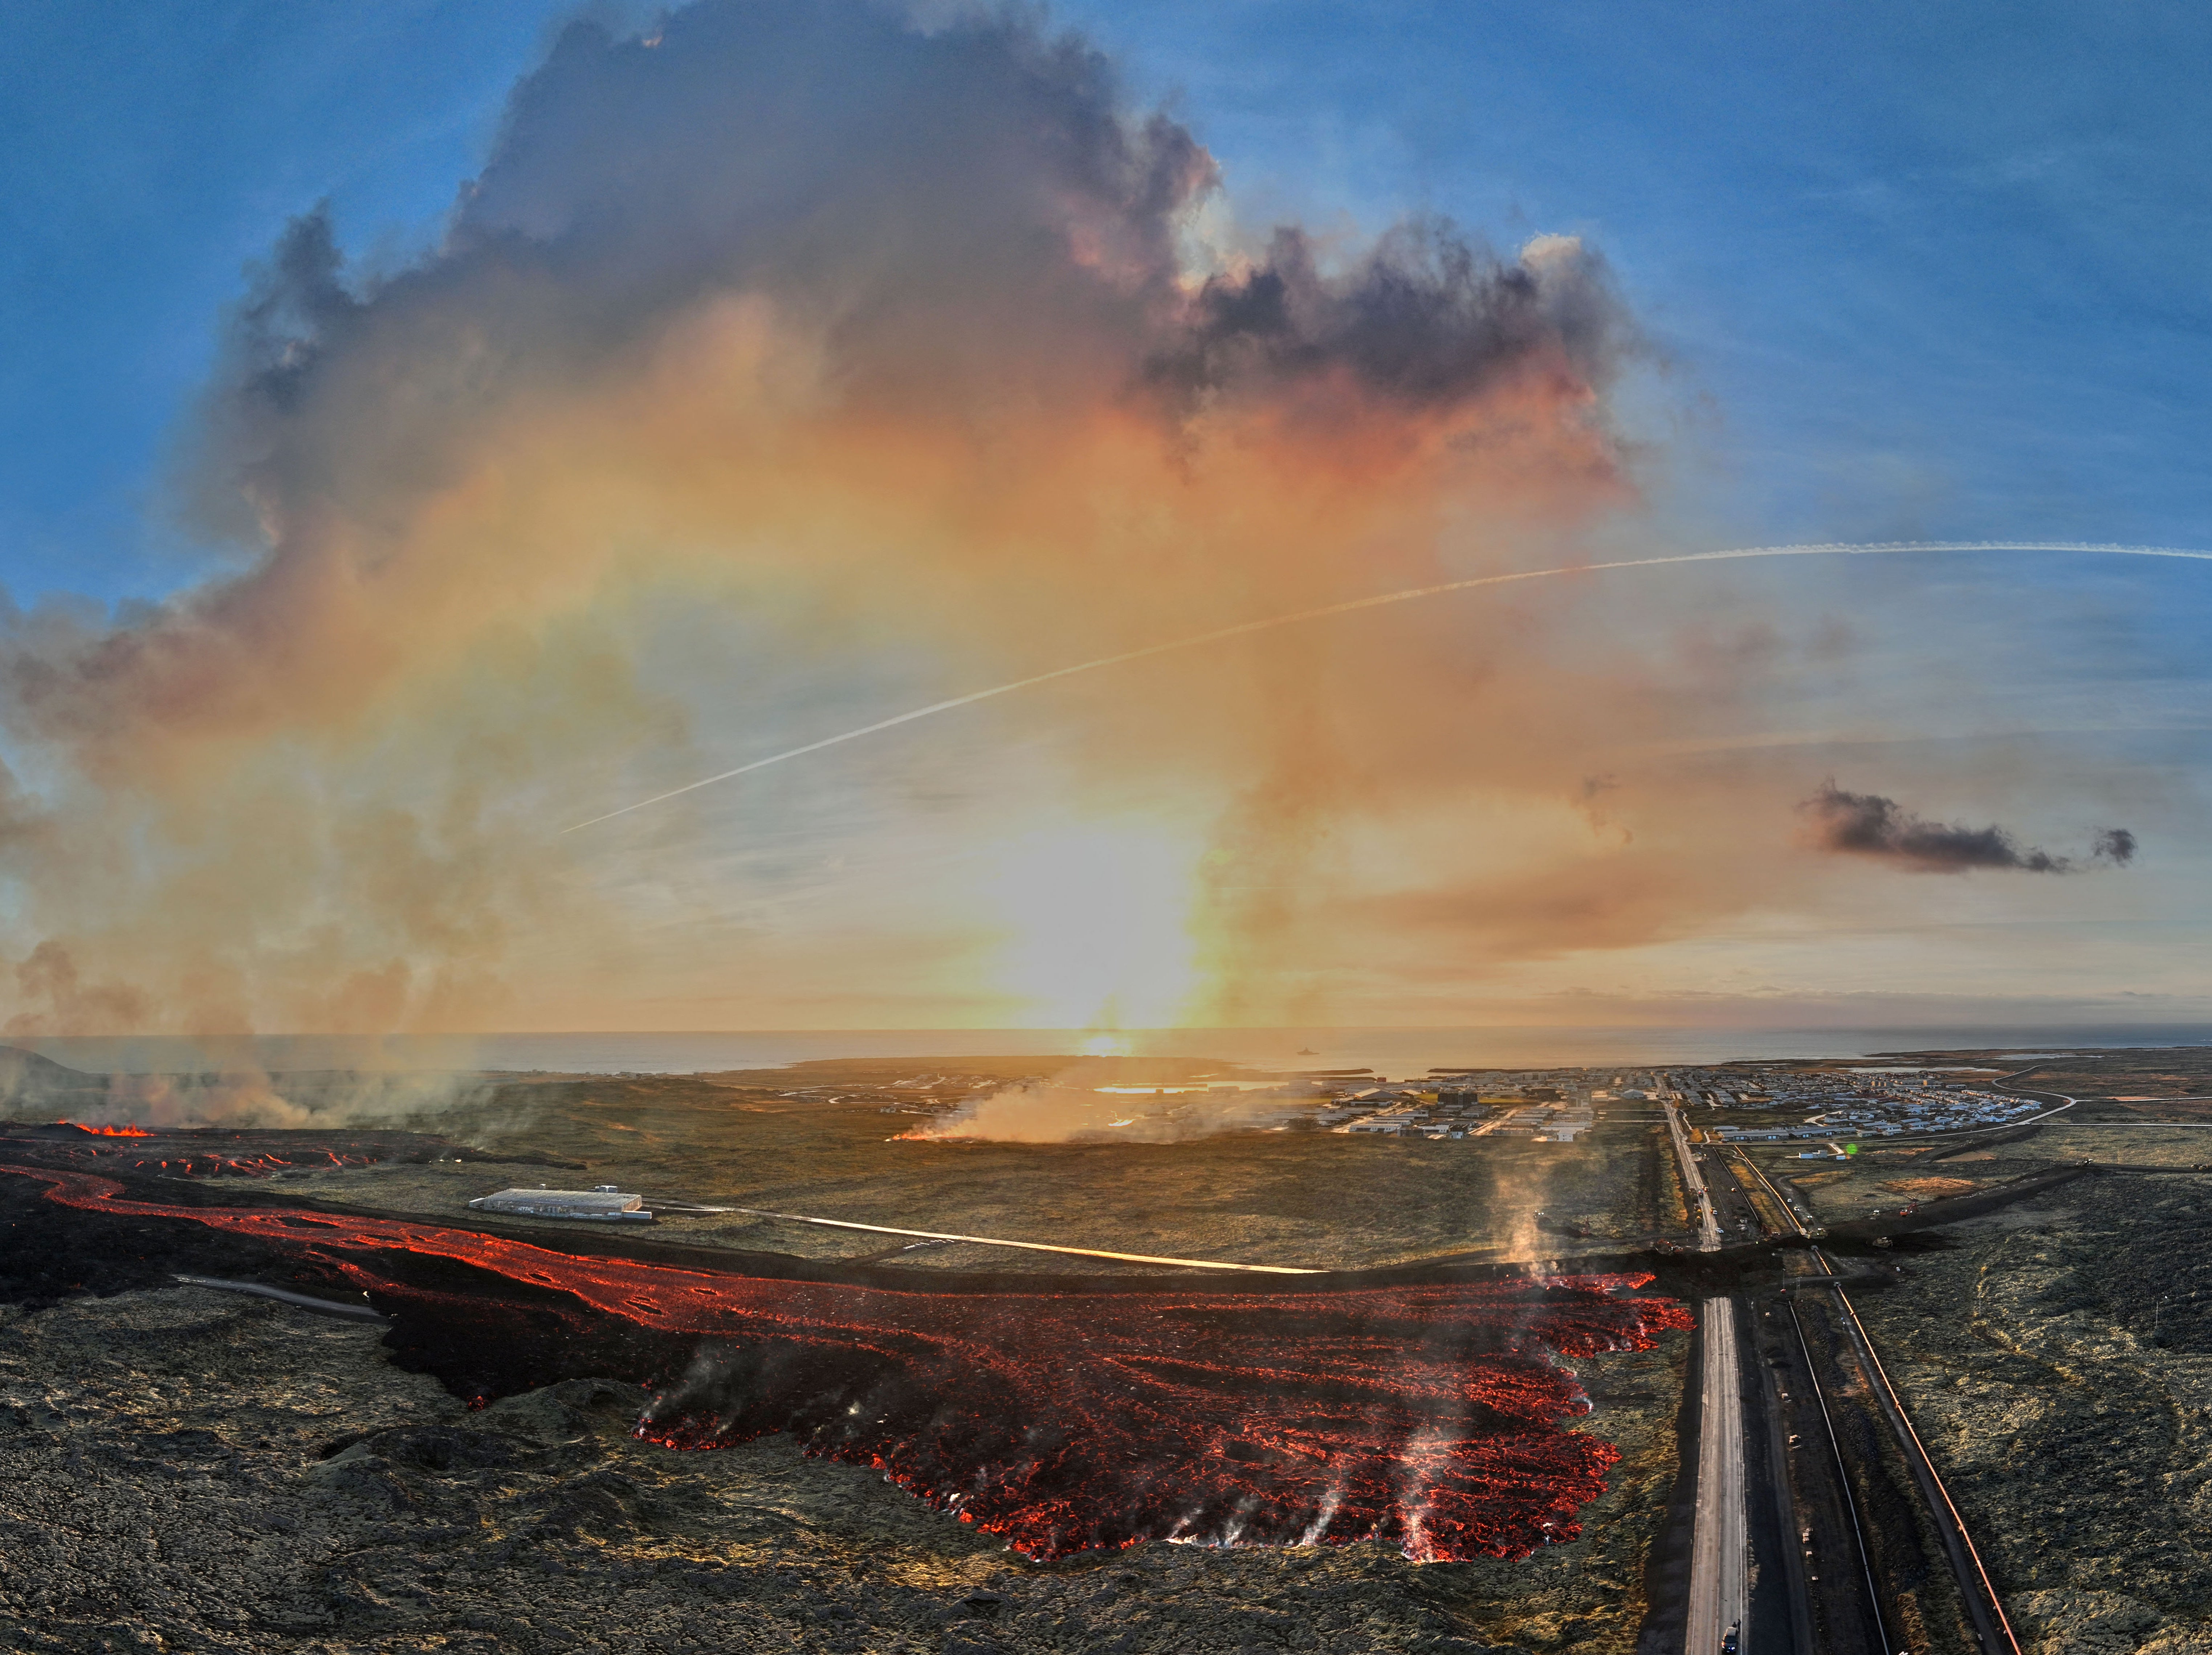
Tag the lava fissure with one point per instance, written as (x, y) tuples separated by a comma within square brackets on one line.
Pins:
[(1427, 1414)]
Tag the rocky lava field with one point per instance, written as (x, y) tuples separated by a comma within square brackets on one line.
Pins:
[(2057, 1359), (185, 1469)]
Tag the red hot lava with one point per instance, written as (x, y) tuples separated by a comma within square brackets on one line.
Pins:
[(192, 1152), (1429, 1415)]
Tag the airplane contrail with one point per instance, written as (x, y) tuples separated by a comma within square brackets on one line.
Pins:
[(1242, 628)]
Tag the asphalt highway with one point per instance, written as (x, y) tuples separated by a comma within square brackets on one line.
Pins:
[(1808, 1456), (1839, 1369), (1719, 1545)]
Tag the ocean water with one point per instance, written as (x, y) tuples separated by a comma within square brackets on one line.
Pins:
[(1393, 1052)]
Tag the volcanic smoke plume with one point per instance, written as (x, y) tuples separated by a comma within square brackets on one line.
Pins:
[(1095, 1103), (1427, 1415), (843, 358), (1868, 824), (805, 361)]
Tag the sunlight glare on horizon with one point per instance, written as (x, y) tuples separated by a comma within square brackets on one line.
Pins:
[(1097, 918)]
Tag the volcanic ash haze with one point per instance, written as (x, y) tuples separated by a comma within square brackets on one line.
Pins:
[(790, 366)]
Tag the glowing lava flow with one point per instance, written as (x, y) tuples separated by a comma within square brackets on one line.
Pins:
[(1428, 1415), (197, 1153)]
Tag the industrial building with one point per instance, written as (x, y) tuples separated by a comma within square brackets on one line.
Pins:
[(605, 1203)]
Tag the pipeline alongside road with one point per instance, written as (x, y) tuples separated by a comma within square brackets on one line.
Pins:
[(361, 1312), (1818, 1377), (1026, 1246), (1976, 1590)]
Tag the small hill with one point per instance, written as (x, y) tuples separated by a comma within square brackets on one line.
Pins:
[(25, 1077)]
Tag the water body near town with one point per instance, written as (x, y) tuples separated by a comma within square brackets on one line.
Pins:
[(1392, 1051)]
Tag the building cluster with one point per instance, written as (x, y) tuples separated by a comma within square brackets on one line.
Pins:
[(1404, 1112), (1547, 1105), (1860, 1103), (1713, 1088)]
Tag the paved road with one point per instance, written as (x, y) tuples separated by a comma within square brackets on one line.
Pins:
[(1719, 1588), (1793, 1223), (1978, 1593), (1718, 1595), (1693, 1183)]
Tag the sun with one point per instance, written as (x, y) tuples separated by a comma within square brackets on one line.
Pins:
[(1096, 921)]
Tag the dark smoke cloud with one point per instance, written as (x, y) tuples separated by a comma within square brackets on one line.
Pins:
[(1868, 824), (847, 321), (1425, 317), (968, 218), (2115, 845)]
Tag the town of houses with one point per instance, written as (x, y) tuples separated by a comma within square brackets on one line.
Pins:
[(1857, 1103), (1558, 1105)]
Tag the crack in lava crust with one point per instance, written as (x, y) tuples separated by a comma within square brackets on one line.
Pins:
[(1427, 1414)]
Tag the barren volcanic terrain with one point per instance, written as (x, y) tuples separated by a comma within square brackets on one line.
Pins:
[(189, 1469), (2058, 1360)]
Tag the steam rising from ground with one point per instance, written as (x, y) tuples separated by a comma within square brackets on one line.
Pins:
[(1098, 1104), (1091, 1105), (233, 1088)]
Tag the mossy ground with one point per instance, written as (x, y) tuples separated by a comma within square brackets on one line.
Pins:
[(2057, 1361), (1317, 1199)]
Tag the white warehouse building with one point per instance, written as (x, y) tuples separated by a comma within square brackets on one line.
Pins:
[(605, 1203)]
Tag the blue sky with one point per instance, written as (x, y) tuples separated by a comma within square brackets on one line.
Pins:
[(151, 153), (1914, 271), (1942, 269)]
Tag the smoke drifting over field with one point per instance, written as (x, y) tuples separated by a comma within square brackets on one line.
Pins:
[(1087, 1105), (937, 229), (233, 1087)]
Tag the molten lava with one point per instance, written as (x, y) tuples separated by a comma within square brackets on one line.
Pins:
[(206, 1153), (1059, 1418)]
